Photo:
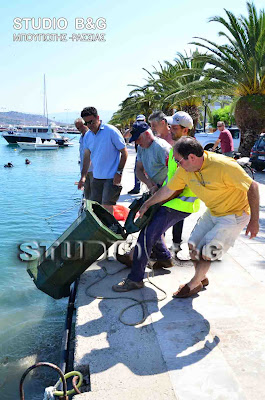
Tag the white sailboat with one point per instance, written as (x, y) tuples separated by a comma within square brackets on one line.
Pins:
[(30, 133)]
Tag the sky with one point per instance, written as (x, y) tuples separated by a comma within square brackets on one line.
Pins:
[(138, 34)]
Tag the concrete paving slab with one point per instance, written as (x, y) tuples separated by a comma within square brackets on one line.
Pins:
[(140, 393)]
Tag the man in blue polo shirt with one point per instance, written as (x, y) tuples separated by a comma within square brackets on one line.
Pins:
[(105, 148)]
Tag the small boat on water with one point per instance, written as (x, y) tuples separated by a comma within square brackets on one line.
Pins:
[(30, 133), (39, 145)]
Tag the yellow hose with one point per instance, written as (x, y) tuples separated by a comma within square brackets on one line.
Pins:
[(72, 391)]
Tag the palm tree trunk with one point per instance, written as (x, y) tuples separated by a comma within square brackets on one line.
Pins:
[(195, 115), (250, 118)]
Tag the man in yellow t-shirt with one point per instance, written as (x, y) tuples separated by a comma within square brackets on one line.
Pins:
[(231, 197)]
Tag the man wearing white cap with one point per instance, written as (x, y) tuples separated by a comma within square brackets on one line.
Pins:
[(180, 125), (178, 122), (160, 123)]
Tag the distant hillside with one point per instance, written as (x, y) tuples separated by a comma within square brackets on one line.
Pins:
[(69, 117), (18, 118)]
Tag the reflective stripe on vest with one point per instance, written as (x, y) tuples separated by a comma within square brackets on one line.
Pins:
[(186, 201)]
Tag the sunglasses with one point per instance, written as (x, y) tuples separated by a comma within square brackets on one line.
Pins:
[(178, 162), (88, 122)]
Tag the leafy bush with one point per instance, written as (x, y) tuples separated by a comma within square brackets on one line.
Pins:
[(222, 114)]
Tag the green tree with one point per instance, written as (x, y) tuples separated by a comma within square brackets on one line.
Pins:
[(177, 85), (239, 69), (222, 114), (187, 95)]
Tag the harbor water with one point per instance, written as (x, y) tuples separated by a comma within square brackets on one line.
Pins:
[(37, 202)]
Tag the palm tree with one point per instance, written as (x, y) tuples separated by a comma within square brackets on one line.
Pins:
[(239, 67), (187, 84), (178, 85)]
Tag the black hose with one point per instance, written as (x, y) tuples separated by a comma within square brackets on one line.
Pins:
[(43, 364), (65, 349)]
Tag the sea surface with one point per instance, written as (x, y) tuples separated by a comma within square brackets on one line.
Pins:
[(37, 203)]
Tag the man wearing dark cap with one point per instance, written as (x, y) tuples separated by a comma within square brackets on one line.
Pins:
[(152, 155), (151, 169)]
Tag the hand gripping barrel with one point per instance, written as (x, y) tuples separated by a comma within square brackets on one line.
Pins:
[(132, 225)]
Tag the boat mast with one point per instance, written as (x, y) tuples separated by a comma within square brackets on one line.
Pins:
[(45, 105)]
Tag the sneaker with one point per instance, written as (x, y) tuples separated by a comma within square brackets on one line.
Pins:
[(163, 263), (124, 259), (134, 191), (127, 285)]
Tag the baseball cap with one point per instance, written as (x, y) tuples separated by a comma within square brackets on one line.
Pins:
[(140, 117), (138, 128), (180, 118)]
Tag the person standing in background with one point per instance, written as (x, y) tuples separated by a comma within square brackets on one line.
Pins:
[(137, 183), (226, 140), (160, 126), (80, 126)]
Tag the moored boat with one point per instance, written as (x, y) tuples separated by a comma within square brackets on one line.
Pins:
[(30, 133), (39, 145)]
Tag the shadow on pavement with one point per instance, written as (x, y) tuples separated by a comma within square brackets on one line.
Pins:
[(144, 348)]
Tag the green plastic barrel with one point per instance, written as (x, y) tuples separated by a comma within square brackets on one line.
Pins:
[(90, 235)]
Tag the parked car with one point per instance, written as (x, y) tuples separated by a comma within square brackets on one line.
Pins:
[(207, 140), (257, 154)]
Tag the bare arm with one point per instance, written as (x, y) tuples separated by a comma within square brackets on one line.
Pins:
[(159, 197), (124, 156), (253, 199), (86, 164), (141, 175), (216, 144)]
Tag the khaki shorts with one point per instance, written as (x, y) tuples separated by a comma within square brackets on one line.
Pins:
[(213, 236)]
